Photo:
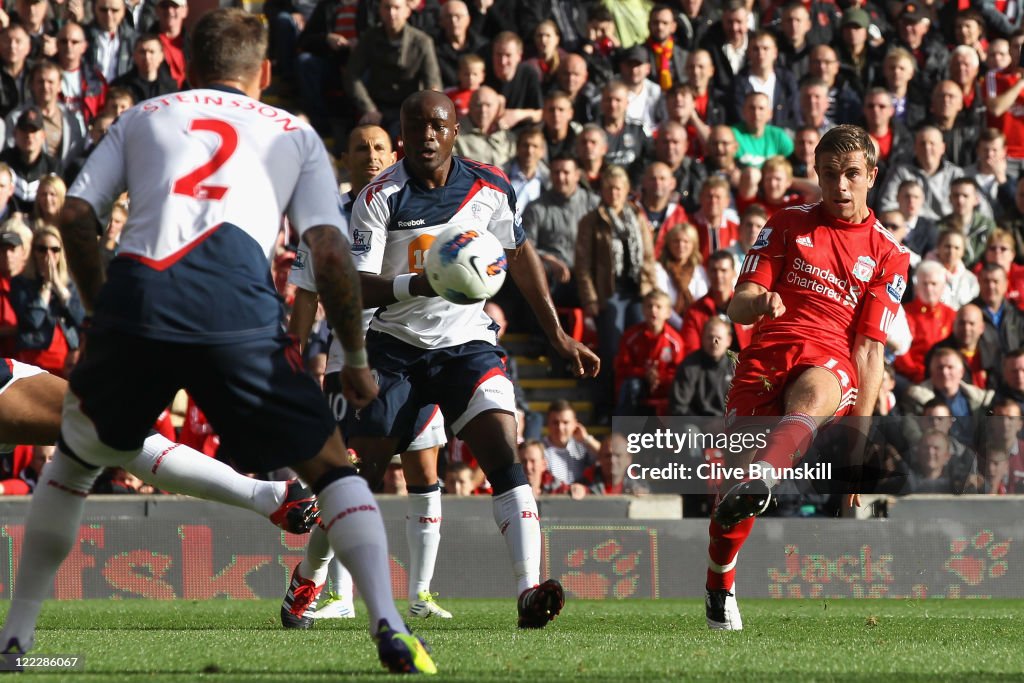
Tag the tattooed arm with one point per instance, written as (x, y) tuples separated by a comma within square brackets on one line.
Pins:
[(337, 283)]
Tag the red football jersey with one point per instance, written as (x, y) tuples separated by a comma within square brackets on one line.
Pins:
[(836, 279), (1011, 122)]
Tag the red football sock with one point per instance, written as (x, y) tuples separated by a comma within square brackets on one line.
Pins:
[(723, 548), (789, 441)]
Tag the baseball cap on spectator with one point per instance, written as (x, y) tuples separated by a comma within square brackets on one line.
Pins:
[(914, 12), (30, 120), (12, 239), (634, 54), (855, 16), (179, 3)]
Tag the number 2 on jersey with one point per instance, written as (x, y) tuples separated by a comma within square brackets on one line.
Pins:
[(190, 184)]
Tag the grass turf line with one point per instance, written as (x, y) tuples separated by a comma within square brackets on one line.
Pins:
[(784, 640)]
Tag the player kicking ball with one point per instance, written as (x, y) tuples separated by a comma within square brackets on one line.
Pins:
[(822, 283)]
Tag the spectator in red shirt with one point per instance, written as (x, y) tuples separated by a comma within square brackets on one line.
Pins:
[(660, 202), (1003, 99), (929, 319), (171, 15), (648, 355), (774, 187), (964, 67), (892, 136), (83, 88), (535, 465), (472, 71), (715, 222), (707, 100), (547, 45), (10, 246), (1001, 249), (721, 276), (980, 352), (24, 475)]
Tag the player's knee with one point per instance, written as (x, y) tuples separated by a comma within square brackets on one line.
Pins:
[(420, 467), (507, 477), (491, 437), (69, 473)]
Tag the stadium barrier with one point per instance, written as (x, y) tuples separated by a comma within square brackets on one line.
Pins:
[(167, 547)]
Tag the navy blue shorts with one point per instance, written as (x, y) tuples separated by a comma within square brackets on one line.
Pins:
[(267, 410), (428, 430), (463, 381)]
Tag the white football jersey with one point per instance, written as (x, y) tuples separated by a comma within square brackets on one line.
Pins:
[(209, 174), (196, 159), (395, 220)]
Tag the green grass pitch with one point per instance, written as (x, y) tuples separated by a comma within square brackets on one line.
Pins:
[(784, 640)]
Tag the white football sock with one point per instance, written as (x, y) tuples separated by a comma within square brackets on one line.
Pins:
[(423, 534), (179, 469), (357, 535), (318, 556), (515, 513), (341, 580), (51, 530)]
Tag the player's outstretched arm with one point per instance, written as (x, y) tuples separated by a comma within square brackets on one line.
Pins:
[(525, 267), (78, 228), (338, 285), (750, 301), (380, 291)]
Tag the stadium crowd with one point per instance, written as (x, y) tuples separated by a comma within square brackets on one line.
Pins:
[(648, 145)]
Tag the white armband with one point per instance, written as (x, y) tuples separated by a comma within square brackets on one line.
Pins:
[(356, 359), (400, 287)]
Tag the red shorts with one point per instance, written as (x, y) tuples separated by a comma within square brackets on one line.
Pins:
[(764, 372)]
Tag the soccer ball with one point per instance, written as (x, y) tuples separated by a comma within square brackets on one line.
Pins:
[(466, 265)]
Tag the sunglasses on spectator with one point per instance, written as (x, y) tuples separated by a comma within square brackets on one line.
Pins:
[(42, 249)]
